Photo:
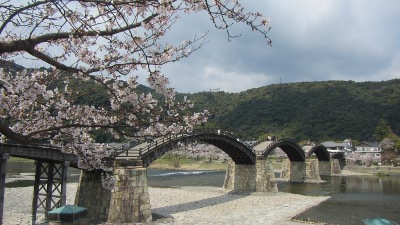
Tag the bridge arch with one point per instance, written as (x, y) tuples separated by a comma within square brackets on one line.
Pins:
[(240, 152), (320, 151), (294, 152)]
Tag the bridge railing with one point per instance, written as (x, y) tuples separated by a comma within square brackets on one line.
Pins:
[(123, 149), (33, 144), (160, 141), (226, 133), (37, 152), (274, 142), (152, 142)]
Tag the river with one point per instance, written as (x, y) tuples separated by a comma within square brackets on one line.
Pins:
[(353, 198)]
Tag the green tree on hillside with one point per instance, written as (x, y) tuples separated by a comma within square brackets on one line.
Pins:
[(382, 130)]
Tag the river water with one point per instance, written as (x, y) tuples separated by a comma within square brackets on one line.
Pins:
[(353, 198)]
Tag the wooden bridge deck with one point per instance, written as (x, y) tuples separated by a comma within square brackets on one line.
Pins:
[(37, 152)]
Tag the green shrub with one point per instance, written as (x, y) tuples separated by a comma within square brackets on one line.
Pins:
[(175, 162), (382, 174)]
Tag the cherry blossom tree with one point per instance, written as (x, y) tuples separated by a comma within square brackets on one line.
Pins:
[(387, 144), (104, 41), (353, 158), (389, 153), (204, 151), (361, 159)]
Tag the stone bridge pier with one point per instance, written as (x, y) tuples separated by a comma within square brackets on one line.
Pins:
[(293, 171), (325, 168), (329, 168), (312, 171), (259, 177), (308, 171), (128, 202), (335, 166), (297, 171), (91, 195)]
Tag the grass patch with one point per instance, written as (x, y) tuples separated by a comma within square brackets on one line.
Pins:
[(188, 164), (21, 160), (214, 165), (276, 163), (382, 174)]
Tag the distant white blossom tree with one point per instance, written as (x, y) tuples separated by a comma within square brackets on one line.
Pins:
[(389, 153), (361, 159), (103, 41), (387, 145), (205, 151)]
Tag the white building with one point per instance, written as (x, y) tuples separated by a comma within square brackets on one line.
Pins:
[(368, 149)]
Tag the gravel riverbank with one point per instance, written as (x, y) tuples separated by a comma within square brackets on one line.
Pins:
[(189, 205)]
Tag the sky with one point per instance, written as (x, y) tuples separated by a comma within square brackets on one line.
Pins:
[(312, 40)]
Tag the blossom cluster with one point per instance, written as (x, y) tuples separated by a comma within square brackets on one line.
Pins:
[(34, 111), (196, 150)]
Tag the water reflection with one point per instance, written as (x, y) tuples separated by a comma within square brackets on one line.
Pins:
[(22, 174), (353, 199), (15, 168), (343, 184)]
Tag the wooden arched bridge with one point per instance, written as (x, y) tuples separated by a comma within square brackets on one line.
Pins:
[(239, 151), (52, 163)]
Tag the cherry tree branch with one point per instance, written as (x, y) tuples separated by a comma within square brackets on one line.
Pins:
[(18, 11), (5, 130), (24, 45)]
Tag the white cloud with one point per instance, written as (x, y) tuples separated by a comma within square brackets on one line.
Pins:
[(232, 81), (218, 78)]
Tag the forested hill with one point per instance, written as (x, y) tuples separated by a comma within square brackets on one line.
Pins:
[(317, 111)]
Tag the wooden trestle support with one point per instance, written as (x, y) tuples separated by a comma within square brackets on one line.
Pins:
[(3, 168), (49, 191)]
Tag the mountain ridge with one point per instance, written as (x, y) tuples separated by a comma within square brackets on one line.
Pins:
[(318, 111)]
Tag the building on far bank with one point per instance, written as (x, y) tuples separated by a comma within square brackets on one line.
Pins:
[(338, 147), (371, 150), (366, 152)]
